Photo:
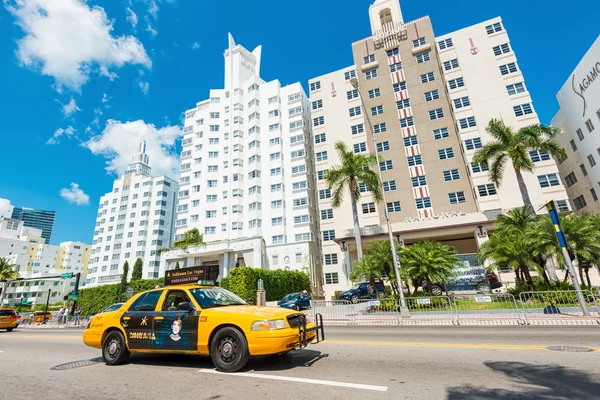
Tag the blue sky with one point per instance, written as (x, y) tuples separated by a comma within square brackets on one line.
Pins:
[(83, 81)]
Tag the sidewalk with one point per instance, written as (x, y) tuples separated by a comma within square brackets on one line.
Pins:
[(54, 325)]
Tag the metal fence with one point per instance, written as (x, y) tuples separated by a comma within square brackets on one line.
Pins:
[(333, 311), (561, 304), (488, 307), (431, 309)]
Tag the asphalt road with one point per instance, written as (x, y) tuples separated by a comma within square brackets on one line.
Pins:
[(353, 363)]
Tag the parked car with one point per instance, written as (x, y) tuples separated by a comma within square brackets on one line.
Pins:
[(8, 319), (473, 283), (295, 301), (112, 307), (361, 291)]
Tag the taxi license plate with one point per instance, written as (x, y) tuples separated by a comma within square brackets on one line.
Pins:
[(3, 318)]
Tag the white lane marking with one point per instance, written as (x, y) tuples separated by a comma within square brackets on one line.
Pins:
[(300, 380)]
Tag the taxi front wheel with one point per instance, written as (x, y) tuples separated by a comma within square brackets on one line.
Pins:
[(229, 350), (114, 349)]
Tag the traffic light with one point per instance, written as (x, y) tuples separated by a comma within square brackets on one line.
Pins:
[(65, 297)]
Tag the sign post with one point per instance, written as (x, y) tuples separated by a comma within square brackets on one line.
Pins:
[(562, 241), (129, 292)]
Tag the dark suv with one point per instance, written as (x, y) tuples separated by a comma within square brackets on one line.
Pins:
[(474, 283), (361, 291)]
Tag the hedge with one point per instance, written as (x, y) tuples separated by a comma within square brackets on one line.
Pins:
[(94, 300), (243, 281)]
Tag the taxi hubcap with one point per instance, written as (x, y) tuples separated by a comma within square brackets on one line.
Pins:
[(228, 348), (113, 348)]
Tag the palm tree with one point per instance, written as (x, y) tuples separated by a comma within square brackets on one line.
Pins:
[(7, 271), (514, 147), (355, 169), (432, 262), (369, 267)]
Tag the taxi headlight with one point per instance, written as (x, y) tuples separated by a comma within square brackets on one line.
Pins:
[(269, 325), (309, 319)]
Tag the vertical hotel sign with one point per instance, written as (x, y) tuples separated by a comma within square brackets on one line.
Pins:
[(184, 275), (583, 84)]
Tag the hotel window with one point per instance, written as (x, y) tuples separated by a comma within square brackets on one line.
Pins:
[(423, 57), (298, 169), (274, 141), (428, 77), (472, 144), (301, 219), (354, 111), (523, 109), (445, 44), (579, 203), (456, 83), (374, 93), (277, 221), (451, 64), (399, 86), (461, 102), (414, 160), (386, 165), (297, 139), (350, 74), (394, 206), (329, 235), (303, 201), (539, 156), (515, 88), (591, 160), (317, 104), (548, 180), (274, 127), (418, 181), (392, 52), (583, 169), (356, 129), (419, 42), (571, 179), (468, 122), (322, 174), (376, 110), (435, 114), (383, 146), (299, 185), (320, 138), (594, 195), (278, 239), (276, 204), (411, 141), (406, 122), (276, 187), (275, 171), (211, 214), (589, 125), (315, 86), (371, 74), (457, 197), (486, 190), (210, 230), (502, 49), (497, 27), (379, 128), (321, 156), (318, 121), (388, 186), (358, 148), (440, 133), (273, 113), (352, 94), (327, 214), (369, 58), (255, 223), (573, 146), (324, 194), (237, 226), (275, 156), (432, 95), (396, 67), (368, 208), (362, 187), (297, 153), (508, 68), (563, 205), (446, 153), (424, 202), (331, 278), (451, 175), (331, 259), (401, 104)]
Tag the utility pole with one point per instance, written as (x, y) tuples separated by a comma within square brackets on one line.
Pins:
[(403, 308), (46, 311), (77, 277)]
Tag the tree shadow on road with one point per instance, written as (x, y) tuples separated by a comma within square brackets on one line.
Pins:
[(534, 382)]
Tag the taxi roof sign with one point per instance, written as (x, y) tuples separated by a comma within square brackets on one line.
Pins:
[(183, 276), (206, 283)]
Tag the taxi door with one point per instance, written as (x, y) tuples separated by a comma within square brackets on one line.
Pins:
[(137, 321), (176, 329)]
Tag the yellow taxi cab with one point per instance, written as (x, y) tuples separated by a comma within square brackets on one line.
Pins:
[(9, 319), (199, 319)]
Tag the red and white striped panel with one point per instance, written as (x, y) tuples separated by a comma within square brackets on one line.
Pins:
[(398, 76), (417, 170), (425, 212), (420, 192), (405, 113), (409, 131), (394, 59), (412, 150), (401, 95)]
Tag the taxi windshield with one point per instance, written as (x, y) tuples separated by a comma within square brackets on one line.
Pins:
[(216, 297)]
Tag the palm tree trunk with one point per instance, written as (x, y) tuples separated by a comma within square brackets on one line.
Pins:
[(518, 276), (356, 226), (587, 276), (3, 287), (527, 277), (524, 191)]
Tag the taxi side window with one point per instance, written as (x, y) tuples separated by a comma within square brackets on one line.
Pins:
[(173, 299), (146, 302), (135, 306)]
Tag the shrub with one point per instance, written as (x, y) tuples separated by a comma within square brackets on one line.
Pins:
[(96, 299), (243, 281)]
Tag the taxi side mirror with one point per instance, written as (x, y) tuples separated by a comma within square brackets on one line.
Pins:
[(185, 306)]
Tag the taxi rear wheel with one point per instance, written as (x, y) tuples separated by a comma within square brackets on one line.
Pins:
[(9, 329), (114, 350), (229, 350)]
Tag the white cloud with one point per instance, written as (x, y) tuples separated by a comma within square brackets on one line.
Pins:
[(103, 71), (145, 86), (132, 17), (66, 39), (196, 45), (75, 195), (69, 108), (149, 27), (98, 111), (153, 9), (68, 132), (119, 141), (105, 97)]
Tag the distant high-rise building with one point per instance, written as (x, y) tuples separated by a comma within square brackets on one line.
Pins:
[(38, 219)]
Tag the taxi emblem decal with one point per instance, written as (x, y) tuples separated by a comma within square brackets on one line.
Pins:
[(144, 321)]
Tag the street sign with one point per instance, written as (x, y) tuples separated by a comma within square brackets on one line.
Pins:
[(74, 292), (73, 297), (423, 301), (66, 275), (483, 299), (129, 292)]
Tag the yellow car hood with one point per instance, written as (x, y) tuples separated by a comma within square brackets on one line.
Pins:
[(255, 311)]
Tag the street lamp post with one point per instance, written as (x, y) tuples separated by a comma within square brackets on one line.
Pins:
[(403, 308)]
